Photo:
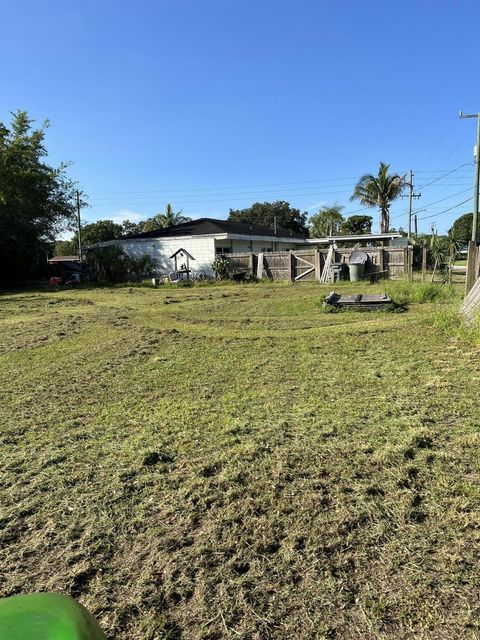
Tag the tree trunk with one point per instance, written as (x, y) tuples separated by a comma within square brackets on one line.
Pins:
[(384, 221)]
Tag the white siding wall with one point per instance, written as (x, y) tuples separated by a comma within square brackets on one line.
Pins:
[(160, 250)]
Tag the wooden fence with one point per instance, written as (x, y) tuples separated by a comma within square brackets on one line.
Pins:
[(307, 264)]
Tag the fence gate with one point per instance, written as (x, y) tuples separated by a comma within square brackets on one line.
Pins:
[(306, 265)]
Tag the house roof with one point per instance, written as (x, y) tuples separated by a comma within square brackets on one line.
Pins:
[(211, 226), (56, 259)]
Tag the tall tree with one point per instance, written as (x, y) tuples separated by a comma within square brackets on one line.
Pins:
[(36, 199), (326, 222), (355, 225), (101, 231), (380, 191), (131, 228), (66, 247), (264, 213), (462, 228)]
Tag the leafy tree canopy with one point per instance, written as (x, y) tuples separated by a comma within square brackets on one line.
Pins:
[(462, 228), (101, 231), (66, 248), (263, 213), (36, 199), (357, 224), (326, 222)]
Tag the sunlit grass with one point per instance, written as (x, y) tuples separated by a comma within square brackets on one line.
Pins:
[(222, 462)]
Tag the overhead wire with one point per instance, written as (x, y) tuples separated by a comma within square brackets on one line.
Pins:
[(434, 215), (424, 186)]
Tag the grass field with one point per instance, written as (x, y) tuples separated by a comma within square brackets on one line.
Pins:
[(231, 462)]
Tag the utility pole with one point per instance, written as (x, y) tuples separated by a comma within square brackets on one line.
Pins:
[(79, 228), (411, 196), (477, 174)]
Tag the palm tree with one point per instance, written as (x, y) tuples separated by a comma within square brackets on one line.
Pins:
[(326, 222), (380, 191), (171, 218), (439, 250), (168, 219)]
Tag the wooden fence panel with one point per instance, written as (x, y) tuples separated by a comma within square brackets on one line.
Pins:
[(307, 264)]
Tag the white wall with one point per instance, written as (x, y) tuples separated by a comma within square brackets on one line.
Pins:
[(160, 250)]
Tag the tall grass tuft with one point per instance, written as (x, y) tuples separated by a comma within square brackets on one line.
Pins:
[(406, 292)]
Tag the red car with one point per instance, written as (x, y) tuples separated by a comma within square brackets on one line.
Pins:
[(66, 280)]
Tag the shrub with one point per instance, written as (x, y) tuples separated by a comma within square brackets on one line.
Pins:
[(221, 267), (110, 264)]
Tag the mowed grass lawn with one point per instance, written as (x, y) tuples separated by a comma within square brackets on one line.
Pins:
[(231, 462)]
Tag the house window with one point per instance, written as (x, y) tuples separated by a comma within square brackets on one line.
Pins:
[(221, 250)]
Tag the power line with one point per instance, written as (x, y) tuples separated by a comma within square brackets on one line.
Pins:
[(182, 190), (238, 186), (425, 206), (434, 215), (423, 186)]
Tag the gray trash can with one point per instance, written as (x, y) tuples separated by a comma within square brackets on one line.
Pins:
[(356, 265)]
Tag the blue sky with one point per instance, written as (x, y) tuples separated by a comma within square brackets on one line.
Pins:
[(216, 104)]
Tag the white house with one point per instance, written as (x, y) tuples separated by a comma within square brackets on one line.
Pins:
[(204, 239)]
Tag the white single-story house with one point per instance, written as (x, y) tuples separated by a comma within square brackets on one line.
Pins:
[(204, 239)]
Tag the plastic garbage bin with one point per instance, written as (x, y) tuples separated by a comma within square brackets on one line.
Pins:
[(46, 616), (356, 265)]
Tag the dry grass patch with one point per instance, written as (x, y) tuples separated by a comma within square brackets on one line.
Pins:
[(232, 462)]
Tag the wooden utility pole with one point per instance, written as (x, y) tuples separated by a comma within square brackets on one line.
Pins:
[(79, 228), (472, 245), (477, 174), (411, 197)]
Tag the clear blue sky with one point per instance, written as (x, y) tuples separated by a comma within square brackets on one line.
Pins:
[(215, 104)]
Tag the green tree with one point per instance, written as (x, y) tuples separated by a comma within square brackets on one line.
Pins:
[(130, 228), (380, 191), (168, 219), (439, 252), (36, 200), (326, 222), (355, 225), (264, 213), (462, 228), (66, 248), (101, 231)]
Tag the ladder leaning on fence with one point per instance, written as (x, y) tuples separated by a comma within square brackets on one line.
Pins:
[(328, 261)]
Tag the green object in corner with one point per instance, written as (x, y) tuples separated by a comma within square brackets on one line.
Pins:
[(46, 616)]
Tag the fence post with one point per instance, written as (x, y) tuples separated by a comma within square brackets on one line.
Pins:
[(318, 268), (260, 266), (251, 264), (410, 263), (471, 264), (424, 262), (290, 266)]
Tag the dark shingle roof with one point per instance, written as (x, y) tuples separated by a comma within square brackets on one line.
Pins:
[(204, 226)]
